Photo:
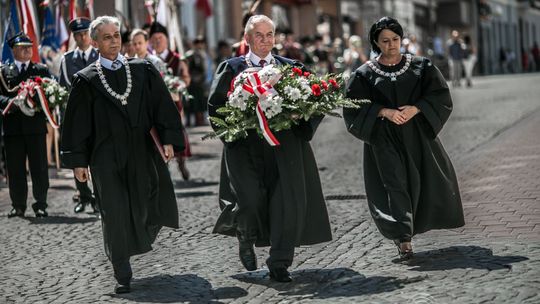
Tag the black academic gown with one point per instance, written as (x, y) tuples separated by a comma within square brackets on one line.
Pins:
[(410, 183), (302, 218), (136, 194)]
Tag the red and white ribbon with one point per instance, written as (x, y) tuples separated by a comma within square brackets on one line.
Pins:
[(254, 85), (27, 90)]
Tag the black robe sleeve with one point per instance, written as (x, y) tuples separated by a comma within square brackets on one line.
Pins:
[(165, 116), (77, 126), (435, 103), (361, 122), (218, 91)]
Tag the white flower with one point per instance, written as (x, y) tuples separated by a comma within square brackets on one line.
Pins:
[(292, 92), (237, 99), (267, 73), (306, 88), (271, 105), (52, 99)]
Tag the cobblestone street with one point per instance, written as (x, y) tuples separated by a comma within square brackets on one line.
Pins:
[(492, 139)]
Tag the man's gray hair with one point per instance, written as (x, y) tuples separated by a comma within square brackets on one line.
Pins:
[(250, 24), (99, 21)]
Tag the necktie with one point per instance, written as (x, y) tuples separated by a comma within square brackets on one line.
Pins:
[(23, 67), (83, 58), (115, 65), (262, 63)]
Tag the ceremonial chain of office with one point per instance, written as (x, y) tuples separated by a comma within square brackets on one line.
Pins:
[(123, 97)]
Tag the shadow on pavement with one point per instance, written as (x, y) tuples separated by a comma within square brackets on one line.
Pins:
[(194, 194), (457, 257), (193, 183), (203, 156), (328, 283), (59, 219), (185, 288)]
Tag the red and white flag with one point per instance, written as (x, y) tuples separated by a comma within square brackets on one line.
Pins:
[(168, 17), (61, 30), (29, 25)]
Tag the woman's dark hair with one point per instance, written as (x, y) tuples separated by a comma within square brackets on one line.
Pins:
[(385, 23)]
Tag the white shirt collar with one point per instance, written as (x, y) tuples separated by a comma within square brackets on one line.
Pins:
[(87, 53), (106, 63), (255, 59), (163, 55), (19, 63)]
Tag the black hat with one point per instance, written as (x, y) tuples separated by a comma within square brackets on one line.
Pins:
[(126, 36), (199, 39), (20, 39), (79, 24), (156, 27)]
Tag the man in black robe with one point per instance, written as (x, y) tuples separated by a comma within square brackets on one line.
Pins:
[(72, 62), (113, 105), (24, 131), (268, 195)]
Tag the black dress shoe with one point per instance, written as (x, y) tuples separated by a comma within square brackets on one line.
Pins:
[(15, 212), (121, 288), (280, 275), (41, 213), (247, 255), (80, 207)]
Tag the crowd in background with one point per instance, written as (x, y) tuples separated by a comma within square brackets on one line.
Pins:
[(456, 59)]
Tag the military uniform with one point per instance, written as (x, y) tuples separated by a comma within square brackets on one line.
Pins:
[(24, 136)]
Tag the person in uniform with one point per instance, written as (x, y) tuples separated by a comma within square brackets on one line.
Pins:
[(24, 130), (410, 182), (73, 62), (197, 60), (159, 38), (269, 196), (114, 107)]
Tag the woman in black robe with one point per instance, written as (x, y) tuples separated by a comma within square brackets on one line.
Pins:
[(410, 183)]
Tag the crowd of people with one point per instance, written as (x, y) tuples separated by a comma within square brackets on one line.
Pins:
[(122, 126)]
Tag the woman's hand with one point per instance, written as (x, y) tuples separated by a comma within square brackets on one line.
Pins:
[(409, 112), (395, 116)]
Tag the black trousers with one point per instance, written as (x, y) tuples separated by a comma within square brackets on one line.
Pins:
[(84, 191), (18, 149), (255, 178)]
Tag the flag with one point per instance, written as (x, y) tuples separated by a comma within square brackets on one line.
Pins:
[(204, 7), (73, 9), (150, 13), (62, 35), (12, 28), (48, 31), (168, 17), (90, 9), (29, 25)]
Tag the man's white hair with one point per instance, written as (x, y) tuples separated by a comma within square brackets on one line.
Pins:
[(102, 20), (250, 24)]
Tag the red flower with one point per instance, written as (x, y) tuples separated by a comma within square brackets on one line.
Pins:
[(38, 80), (306, 74), (324, 84), (297, 71), (316, 89), (334, 83)]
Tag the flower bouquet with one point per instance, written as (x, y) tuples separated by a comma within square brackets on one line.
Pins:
[(37, 87), (56, 94), (276, 98), (175, 85)]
